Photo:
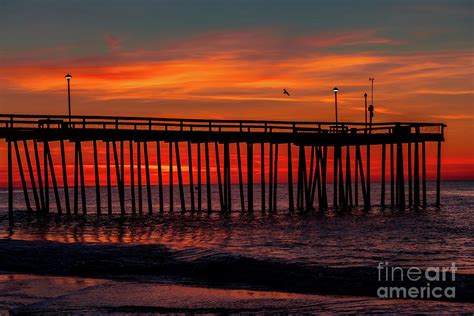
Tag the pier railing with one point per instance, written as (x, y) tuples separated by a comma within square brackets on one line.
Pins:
[(24, 121)]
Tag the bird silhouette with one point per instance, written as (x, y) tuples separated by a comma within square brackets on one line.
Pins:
[(286, 92)]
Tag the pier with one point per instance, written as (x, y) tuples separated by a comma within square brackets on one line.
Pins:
[(314, 144)]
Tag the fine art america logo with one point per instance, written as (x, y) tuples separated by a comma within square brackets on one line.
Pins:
[(414, 282)]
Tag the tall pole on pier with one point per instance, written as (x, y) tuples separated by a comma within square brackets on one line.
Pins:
[(371, 107), (372, 97), (68, 78), (365, 99), (335, 89)]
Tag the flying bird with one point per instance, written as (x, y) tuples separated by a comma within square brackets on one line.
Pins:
[(286, 92)]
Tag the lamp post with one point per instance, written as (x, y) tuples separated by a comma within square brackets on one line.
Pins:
[(335, 89), (68, 78), (365, 99), (371, 107)]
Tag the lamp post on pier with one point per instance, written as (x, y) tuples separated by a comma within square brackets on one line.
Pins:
[(365, 100), (68, 78), (371, 107), (335, 89)]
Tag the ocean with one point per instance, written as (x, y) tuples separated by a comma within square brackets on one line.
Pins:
[(239, 249)]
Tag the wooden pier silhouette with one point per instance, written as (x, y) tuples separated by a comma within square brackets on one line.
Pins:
[(140, 134)]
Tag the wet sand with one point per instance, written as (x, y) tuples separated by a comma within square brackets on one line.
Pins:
[(35, 294), (155, 262)]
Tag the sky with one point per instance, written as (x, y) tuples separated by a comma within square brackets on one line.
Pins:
[(232, 59)]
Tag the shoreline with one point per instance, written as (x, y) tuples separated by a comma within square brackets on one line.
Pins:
[(157, 262), (35, 294)]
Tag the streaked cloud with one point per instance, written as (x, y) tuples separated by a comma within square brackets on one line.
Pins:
[(454, 116)]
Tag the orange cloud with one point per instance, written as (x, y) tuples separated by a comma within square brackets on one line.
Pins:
[(454, 116), (365, 37)]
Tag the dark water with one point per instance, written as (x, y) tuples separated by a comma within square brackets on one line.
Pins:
[(422, 238)]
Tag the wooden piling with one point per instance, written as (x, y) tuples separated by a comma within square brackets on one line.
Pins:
[(225, 185), (65, 182), (122, 172), (306, 193), (400, 177), (46, 177), (397, 178), (22, 177), (348, 177), (270, 177), (76, 178), (410, 177), (160, 176), (262, 175), (53, 180), (416, 177), (392, 177), (241, 179), (368, 162), (171, 201), (291, 205), (147, 178), (382, 180), (180, 178), (318, 175), (199, 177), (97, 183), (342, 193), (109, 178), (219, 179), (311, 178), (191, 180), (10, 178), (139, 178), (300, 181), (32, 176), (38, 173), (132, 178), (119, 179), (356, 177), (83, 185), (250, 176), (227, 181), (423, 172), (362, 177), (316, 185), (324, 193), (335, 170), (275, 180), (208, 177), (438, 176)]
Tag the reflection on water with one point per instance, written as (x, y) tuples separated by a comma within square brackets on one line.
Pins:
[(432, 237)]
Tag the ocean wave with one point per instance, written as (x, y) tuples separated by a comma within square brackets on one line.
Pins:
[(199, 266)]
